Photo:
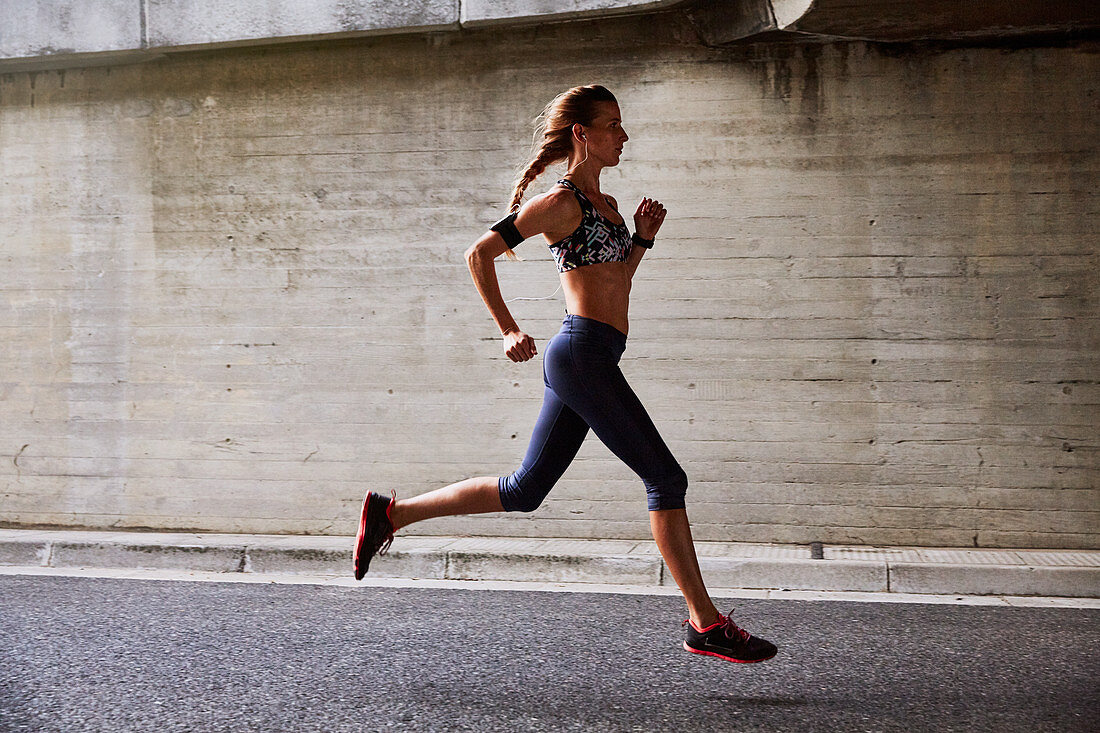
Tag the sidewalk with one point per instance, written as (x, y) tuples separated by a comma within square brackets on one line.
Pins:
[(1065, 573)]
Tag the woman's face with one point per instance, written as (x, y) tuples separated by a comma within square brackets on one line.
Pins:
[(605, 136)]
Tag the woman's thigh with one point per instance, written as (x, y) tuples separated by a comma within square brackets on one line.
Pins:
[(558, 435), (593, 386)]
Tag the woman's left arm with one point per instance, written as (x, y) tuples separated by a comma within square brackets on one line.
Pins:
[(634, 259), (647, 220)]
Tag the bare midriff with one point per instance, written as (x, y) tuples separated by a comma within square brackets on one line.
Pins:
[(600, 292)]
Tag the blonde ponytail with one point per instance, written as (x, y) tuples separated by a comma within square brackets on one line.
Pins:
[(555, 128)]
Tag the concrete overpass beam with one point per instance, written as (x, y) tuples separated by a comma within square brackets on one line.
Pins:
[(192, 24), (478, 13), (720, 21), (51, 34)]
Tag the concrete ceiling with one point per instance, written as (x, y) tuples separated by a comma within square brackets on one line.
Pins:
[(726, 21)]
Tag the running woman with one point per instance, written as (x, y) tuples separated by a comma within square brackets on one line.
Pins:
[(596, 257)]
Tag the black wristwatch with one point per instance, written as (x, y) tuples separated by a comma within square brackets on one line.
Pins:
[(647, 243)]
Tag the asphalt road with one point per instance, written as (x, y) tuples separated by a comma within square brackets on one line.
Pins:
[(84, 654)]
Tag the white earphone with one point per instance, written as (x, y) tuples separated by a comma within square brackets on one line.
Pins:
[(585, 138)]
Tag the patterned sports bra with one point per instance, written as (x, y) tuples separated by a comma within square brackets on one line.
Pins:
[(596, 240)]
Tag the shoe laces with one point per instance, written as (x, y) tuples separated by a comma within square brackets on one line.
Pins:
[(389, 538), (385, 545), (732, 630), (729, 628)]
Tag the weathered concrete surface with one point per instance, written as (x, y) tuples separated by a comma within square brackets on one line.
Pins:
[(29, 28), (793, 574), (554, 568), (191, 23), (719, 22), (114, 554), (614, 562), (233, 295), (887, 20), (481, 13), (984, 580), (51, 34), (17, 550)]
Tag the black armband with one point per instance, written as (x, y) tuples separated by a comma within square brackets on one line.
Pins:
[(506, 228), (636, 239)]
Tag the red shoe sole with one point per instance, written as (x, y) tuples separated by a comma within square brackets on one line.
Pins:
[(359, 537), (723, 656)]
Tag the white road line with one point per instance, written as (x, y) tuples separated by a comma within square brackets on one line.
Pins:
[(336, 581)]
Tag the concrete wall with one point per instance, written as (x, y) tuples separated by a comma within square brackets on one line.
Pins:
[(232, 293)]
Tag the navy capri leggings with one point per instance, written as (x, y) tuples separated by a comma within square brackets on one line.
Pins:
[(585, 388)]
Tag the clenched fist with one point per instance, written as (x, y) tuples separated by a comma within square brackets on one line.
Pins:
[(648, 218), (519, 346)]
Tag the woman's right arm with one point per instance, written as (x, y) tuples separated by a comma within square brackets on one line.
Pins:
[(480, 259), (536, 216)]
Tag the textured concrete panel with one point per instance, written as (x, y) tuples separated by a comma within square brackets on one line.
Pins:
[(733, 550), (972, 572), (554, 568), (217, 559), (336, 559), (792, 574), (1021, 580), (405, 563), (37, 28), (15, 552), (265, 558), (207, 22)]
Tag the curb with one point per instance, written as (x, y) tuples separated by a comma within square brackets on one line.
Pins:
[(942, 571)]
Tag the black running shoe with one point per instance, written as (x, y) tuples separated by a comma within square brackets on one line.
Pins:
[(375, 531), (726, 640)]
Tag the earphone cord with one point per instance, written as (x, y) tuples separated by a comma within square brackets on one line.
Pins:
[(585, 157), (545, 297)]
